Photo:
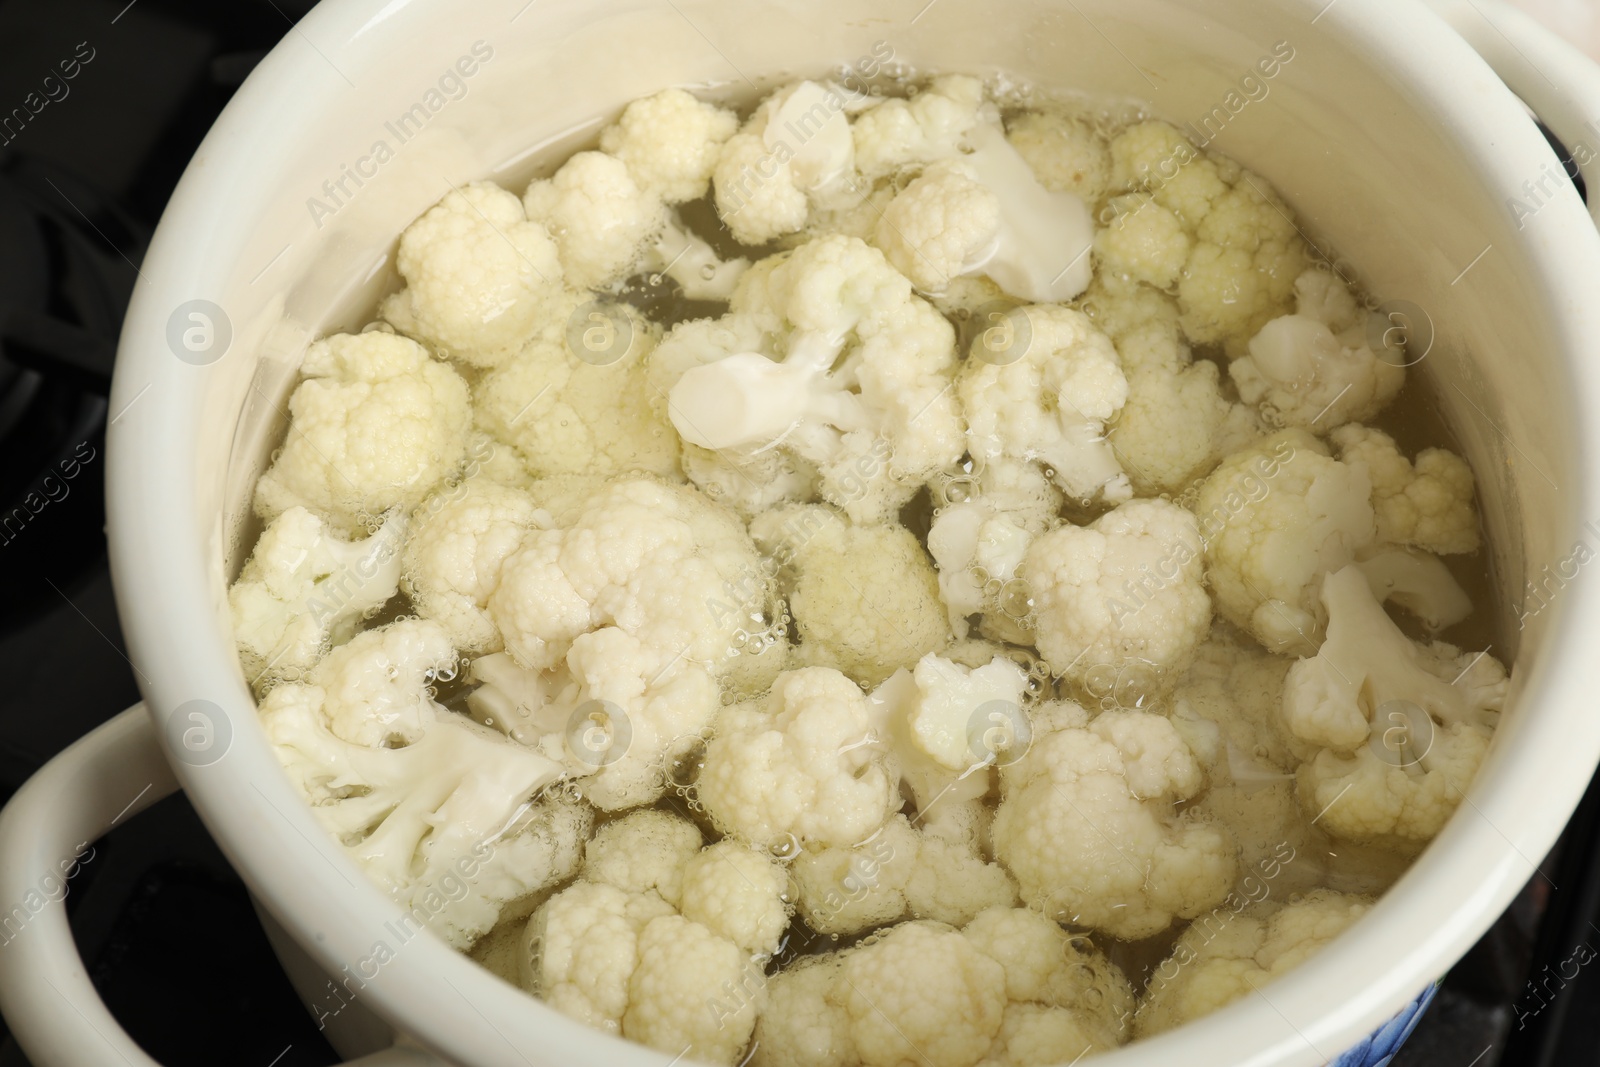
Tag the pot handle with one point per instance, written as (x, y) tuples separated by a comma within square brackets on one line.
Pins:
[(51, 1006), (1560, 83)]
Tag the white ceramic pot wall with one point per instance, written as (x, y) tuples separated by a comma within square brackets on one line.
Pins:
[(1393, 140)]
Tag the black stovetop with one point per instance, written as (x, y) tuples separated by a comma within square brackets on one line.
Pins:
[(165, 927)]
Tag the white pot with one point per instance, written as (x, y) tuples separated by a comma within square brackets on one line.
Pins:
[(1386, 131)]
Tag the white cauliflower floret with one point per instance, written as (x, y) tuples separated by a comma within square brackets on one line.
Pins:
[(581, 948), (1046, 398), (648, 558), (825, 354), (1244, 253), (795, 153), (903, 871), (1402, 727), (644, 851), (1065, 152), (798, 764), (922, 993), (576, 401), (1225, 956), (1316, 368), (980, 535), (1043, 965), (922, 129), (864, 598), (1142, 242), (986, 212), (937, 226), (1177, 423), (452, 801), (375, 687), (1128, 588), (670, 143), (1276, 517), (616, 713), (479, 276), (601, 220), (452, 559), (1087, 826), (375, 424), (1427, 504), (304, 589), (801, 1025), (677, 995), (740, 893)]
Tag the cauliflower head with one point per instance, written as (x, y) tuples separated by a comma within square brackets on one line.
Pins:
[(575, 400), (1087, 826), (602, 222), (827, 355), (459, 539), (670, 143), (1044, 395), (304, 589), (1316, 368), (480, 276), (1126, 589), (374, 425), (1427, 504), (1397, 729), (797, 765), (1233, 952)]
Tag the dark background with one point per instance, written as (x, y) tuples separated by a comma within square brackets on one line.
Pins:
[(164, 925)]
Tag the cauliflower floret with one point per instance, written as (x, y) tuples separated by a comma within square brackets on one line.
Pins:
[(651, 559), (1227, 955), (797, 764), (453, 801), (1402, 727), (1142, 242), (577, 401), (1066, 153), (375, 424), (452, 559), (1228, 707), (740, 893), (375, 687), (923, 129), (1046, 399), (601, 220), (922, 993), (796, 152), (933, 230), (1276, 517), (801, 1025), (581, 948), (825, 354), (304, 589), (986, 212), (903, 871), (1177, 423), (864, 598), (480, 277), (670, 142), (677, 995), (1428, 504), (1244, 253), (644, 851), (1087, 826), (979, 541), (1126, 589), (1316, 368), (1045, 966)]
